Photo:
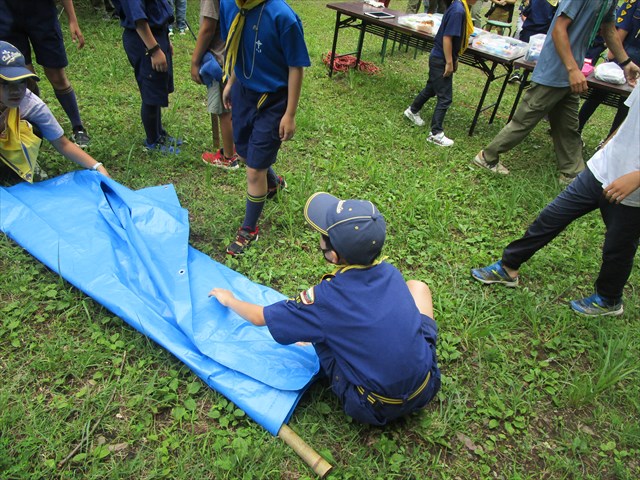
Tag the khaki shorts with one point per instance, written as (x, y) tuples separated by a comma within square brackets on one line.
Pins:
[(214, 99)]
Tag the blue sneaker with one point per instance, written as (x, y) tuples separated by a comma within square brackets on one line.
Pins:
[(161, 147), (169, 140), (596, 306), (494, 274)]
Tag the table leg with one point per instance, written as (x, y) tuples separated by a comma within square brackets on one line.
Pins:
[(332, 55), (524, 83), (508, 69), (363, 28), (487, 84)]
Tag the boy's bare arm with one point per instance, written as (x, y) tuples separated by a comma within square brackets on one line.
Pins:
[(74, 28), (205, 35), (622, 187), (447, 47), (249, 311), (288, 122), (577, 80), (158, 58), (612, 39)]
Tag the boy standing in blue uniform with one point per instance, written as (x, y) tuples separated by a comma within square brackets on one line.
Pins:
[(266, 54), (35, 24), (451, 40), (373, 332), (146, 41)]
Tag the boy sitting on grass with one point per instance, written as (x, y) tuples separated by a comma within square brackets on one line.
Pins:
[(25, 119), (373, 332)]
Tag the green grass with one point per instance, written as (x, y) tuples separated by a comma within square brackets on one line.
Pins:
[(529, 390)]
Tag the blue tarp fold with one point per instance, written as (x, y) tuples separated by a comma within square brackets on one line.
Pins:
[(129, 250)]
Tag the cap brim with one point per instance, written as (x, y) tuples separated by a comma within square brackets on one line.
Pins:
[(316, 208), (13, 74)]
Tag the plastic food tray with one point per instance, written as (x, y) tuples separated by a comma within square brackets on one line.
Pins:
[(500, 46)]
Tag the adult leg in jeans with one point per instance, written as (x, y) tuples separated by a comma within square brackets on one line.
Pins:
[(580, 197), (567, 143), (620, 245), (181, 14), (537, 101)]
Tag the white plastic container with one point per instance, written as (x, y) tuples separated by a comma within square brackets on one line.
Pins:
[(535, 47), (500, 46)]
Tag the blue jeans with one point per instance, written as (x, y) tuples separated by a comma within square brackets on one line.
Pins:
[(439, 86), (180, 8), (582, 196)]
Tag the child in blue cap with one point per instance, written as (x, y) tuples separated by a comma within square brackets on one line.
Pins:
[(373, 332)]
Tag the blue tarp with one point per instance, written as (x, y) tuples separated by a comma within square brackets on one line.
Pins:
[(129, 250)]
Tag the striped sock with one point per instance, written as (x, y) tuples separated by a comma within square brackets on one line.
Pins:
[(253, 210)]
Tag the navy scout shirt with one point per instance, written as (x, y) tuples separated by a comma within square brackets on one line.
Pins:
[(367, 320)]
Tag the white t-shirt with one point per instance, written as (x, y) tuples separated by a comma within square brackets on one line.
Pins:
[(36, 112), (621, 154)]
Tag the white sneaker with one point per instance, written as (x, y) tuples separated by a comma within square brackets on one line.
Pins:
[(440, 139), (415, 118), (495, 168)]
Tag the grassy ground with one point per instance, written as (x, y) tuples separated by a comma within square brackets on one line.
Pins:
[(529, 389)]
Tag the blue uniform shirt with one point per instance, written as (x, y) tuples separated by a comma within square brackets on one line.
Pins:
[(454, 22), (629, 20), (272, 41), (157, 13), (539, 15), (367, 321), (550, 70)]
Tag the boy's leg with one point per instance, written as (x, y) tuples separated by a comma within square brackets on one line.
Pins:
[(621, 114), (567, 142), (421, 294), (151, 122), (425, 94), (227, 133), (537, 101), (620, 246), (580, 197), (181, 15), (589, 107), (256, 196), (443, 87)]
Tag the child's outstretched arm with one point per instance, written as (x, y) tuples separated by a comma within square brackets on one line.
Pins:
[(288, 122), (249, 311), (622, 187), (74, 153)]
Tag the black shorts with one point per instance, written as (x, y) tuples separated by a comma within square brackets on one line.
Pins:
[(34, 24)]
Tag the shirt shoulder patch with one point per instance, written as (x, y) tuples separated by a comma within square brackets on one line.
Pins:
[(307, 297)]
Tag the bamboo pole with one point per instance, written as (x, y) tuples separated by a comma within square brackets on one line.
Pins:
[(312, 458)]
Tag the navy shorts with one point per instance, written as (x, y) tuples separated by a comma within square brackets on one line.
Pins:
[(34, 24), (256, 124), (357, 406), (154, 87)]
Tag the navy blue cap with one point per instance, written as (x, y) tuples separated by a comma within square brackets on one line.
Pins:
[(356, 228), (12, 64)]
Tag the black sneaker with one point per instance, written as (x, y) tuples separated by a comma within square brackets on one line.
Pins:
[(244, 238), (273, 191), (80, 137)]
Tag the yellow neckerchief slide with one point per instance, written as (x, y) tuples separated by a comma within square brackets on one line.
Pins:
[(235, 34), (19, 146), (468, 28)]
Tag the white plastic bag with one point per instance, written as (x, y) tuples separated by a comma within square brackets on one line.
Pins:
[(610, 72)]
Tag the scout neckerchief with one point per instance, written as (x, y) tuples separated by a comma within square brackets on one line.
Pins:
[(468, 28), (603, 10), (235, 34), (19, 146)]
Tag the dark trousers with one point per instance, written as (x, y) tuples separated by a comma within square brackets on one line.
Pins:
[(582, 196), (439, 86), (596, 97)]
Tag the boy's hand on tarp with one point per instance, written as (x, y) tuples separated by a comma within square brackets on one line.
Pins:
[(225, 297)]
